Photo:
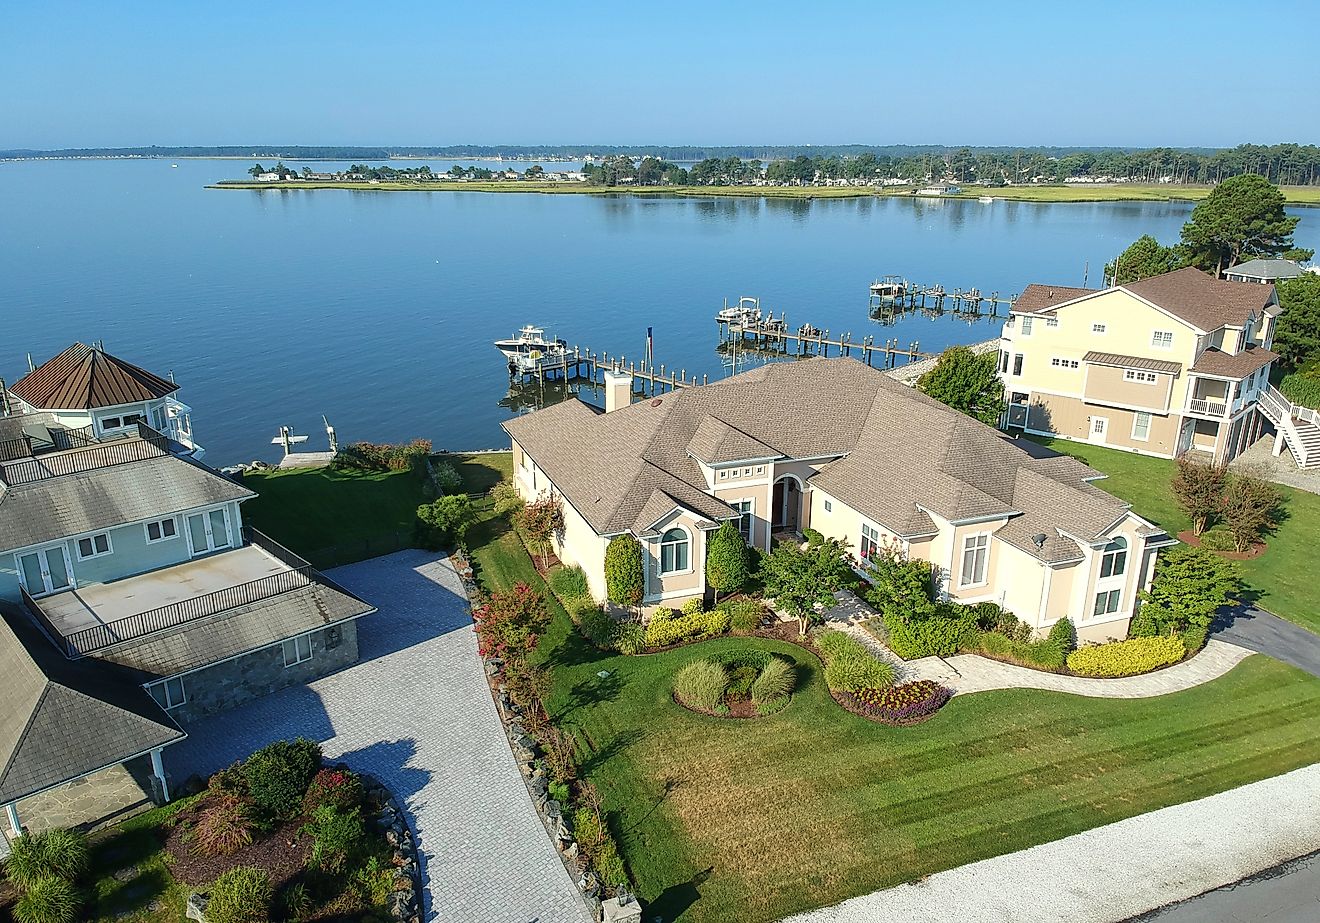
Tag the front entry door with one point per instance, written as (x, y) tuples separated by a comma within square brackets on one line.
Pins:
[(1099, 429), (45, 571), (208, 531)]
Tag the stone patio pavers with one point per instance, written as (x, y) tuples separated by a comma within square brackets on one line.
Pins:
[(416, 713)]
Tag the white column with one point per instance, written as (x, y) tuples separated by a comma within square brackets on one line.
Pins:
[(11, 810), (158, 768)]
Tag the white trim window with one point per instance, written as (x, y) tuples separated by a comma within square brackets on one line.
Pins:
[(297, 650), (975, 560), (675, 551), (1051, 322), (1107, 602), (1098, 328), (829, 507), (1064, 363), (1140, 375), (1141, 426), (870, 541), (168, 693), (94, 546), (1017, 364), (1113, 563), (1161, 339), (1026, 326), (123, 421), (161, 530), (745, 520)]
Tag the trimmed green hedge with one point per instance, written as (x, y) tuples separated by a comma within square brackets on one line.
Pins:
[(667, 627), (1127, 658)]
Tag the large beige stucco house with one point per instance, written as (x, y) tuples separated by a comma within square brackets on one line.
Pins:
[(1171, 364), (836, 446)]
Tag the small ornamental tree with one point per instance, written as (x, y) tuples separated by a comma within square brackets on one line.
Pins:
[(1199, 490), (504, 499), (508, 623), (726, 560), (1144, 258), (541, 520), (967, 382), (1191, 585), (803, 583), (445, 520), (624, 580), (1250, 508)]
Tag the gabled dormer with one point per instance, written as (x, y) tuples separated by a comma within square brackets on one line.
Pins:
[(86, 388)]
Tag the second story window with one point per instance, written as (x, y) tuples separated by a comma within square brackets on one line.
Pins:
[(1026, 326), (1098, 328), (975, 557), (1017, 364), (1162, 339), (673, 551), (745, 520), (1051, 322), (1064, 363), (94, 546), (1139, 375), (161, 530), (1114, 561)]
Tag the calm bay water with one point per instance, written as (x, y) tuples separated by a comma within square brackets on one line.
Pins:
[(378, 309)]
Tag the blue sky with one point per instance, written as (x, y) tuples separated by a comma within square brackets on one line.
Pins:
[(1132, 74)]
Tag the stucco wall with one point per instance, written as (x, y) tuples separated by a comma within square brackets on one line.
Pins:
[(691, 582), (579, 545), (233, 682), (758, 491)]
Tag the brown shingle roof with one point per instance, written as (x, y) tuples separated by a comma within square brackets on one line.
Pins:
[(1235, 366), (1036, 297), (1133, 362), (716, 441), (83, 377), (898, 454), (1203, 301)]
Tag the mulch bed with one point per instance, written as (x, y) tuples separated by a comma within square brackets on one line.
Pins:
[(1255, 551), (283, 853), (739, 708)]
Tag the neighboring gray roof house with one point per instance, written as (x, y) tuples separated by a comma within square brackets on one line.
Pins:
[(134, 598), (1265, 271), (896, 455)]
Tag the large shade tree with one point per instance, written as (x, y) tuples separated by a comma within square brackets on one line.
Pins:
[(1144, 258), (1241, 218), (968, 382), (1297, 336)]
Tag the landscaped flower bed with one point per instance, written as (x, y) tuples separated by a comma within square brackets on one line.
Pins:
[(907, 703), (742, 683)]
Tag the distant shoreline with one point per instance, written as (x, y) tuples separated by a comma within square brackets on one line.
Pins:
[(1302, 196)]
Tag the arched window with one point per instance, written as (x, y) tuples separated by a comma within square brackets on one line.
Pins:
[(673, 551), (1114, 561)]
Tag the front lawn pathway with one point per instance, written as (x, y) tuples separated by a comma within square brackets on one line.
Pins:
[(416, 713), (967, 673)]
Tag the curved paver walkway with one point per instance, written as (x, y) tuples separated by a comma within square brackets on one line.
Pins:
[(416, 712), (968, 673)]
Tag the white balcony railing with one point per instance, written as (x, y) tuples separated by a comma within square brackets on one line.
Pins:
[(1208, 408)]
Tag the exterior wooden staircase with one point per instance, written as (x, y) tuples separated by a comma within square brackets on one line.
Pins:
[(1298, 427)]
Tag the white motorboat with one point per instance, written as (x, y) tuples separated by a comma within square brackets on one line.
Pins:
[(530, 343), (746, 311)]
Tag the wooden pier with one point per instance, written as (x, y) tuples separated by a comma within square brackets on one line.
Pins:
[(582, 364), (774, 336), (912, 295)]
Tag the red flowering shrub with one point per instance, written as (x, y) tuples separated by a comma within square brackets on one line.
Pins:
[(370, 456), (904, 704), (508, 623), (333, 787)]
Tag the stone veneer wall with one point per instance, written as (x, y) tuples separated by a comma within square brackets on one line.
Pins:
[(233, 682), (92, 802)]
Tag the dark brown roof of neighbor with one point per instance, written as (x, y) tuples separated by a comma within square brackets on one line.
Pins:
[(1133, 362), (1036, 297), (1202, 300), (897, 454), (83, 377), (61, 719), (1236, 366)]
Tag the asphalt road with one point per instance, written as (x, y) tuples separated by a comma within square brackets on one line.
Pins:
[(1288, 893)]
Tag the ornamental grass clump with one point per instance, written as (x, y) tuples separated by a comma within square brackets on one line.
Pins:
[(849, 666), (35, 857), (240, 895), (701, 685), (48, 900), (1127, 658), (774, 682), (225, 827)]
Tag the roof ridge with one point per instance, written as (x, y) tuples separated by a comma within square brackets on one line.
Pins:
[(32, 715)]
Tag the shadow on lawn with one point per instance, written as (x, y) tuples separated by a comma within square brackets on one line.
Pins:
[(593, 691), (674, 901)]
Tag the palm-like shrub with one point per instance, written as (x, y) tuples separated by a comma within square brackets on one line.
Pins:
[(48, 900), (49, 854), (225, 827), (774, 682), (701, 685), (240, 895)]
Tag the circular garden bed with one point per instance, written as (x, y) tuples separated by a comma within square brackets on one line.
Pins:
[(741, 683)]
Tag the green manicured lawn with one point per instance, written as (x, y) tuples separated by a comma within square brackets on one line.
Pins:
[(1280, 579), (334, 517), (724, 820), (152, 896)]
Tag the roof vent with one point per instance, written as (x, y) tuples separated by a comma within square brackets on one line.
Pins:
[(1039, 540), (656, 402)]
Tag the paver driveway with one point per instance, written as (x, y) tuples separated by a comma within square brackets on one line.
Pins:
[(416, 712)]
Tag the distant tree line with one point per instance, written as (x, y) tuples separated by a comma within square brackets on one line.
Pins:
[(1284, 164)]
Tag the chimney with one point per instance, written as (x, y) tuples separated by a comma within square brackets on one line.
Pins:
[(618, 390)]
